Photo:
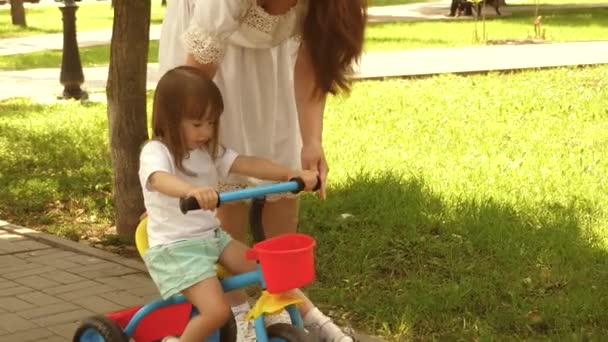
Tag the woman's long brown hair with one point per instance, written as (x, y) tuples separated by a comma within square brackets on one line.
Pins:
[(334, 33), (182, 93)]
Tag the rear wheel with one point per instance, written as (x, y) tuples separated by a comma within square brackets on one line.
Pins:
[(99, 329)]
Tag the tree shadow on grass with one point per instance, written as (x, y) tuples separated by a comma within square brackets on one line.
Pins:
[(411, 265)]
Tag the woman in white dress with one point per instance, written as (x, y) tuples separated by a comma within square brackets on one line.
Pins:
[(274, 61)]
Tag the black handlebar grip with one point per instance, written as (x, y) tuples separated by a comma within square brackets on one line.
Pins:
[(302, 185), (188, 203)]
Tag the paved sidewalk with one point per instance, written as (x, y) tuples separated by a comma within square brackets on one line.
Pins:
[(48, 283), (375, 65)]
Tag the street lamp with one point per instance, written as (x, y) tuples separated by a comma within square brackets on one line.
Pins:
[(71, 69)]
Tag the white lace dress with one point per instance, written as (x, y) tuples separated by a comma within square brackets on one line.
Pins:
[(255, 53)]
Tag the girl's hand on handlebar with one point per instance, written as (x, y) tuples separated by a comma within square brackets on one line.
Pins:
[(310, 178), (205, 196)]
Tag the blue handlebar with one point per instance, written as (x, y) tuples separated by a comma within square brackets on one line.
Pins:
[(259, 191), (296, 185)]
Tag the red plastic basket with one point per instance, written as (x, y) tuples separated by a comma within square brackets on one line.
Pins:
[(287, 261)]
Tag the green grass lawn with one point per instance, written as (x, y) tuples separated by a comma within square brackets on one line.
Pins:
[(47, 19), (459, 208), (560, 26)]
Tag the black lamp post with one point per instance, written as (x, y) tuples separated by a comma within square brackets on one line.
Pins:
[(71, 69)]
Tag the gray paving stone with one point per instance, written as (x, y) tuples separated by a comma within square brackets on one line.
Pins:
[(66, 330), (62, 277), (56, 339), (41, 252), (58, 263), (10, 237), (144, 290), (39, 298), (83, 293), (123, 298), (13, 323), (16, 290), (5, 283), (48, 310), (28, 245), (9, 260), (37, 282), (85, 260), (32, 335), (12, 304), (13, 243), (62, 318), (125, 282), (70, 287), (23, 270), (99, 305), (46, 254)]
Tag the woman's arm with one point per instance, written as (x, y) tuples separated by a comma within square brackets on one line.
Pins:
[(265, 169), (311, 105), (261, 168)]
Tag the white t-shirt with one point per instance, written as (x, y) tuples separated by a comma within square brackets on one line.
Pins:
[(166, 223)]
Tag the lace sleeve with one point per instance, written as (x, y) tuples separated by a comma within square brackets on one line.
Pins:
[(213, 21)]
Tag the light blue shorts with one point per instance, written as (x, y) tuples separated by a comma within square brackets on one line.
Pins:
[(176, 266)]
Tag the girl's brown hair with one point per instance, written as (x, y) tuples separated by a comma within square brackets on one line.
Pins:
[(184, 92), (334, 33)]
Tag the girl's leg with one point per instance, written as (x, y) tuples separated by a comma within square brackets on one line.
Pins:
[(208, 297), (233, 218)]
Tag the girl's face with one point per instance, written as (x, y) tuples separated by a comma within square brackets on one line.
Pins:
[(197, 132)]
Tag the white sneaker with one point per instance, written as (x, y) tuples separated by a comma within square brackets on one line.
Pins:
[(245, 330), (170, 339), (282, 317), (328, 332), (323, 329)]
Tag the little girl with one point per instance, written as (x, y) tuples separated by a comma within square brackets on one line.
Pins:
[(185, 159)]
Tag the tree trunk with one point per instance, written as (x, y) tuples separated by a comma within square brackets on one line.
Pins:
[(18, 13), (126, 93)]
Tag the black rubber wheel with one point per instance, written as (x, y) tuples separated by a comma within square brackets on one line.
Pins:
[(288, 332), (228, 330), (99, 329)]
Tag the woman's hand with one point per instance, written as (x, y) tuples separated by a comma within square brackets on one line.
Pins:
[(205, 196), (313, 159), (309, 178)]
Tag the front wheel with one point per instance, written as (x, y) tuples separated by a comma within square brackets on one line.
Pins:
[(99, 329), (282, 332)]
